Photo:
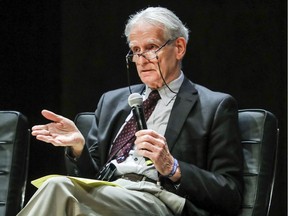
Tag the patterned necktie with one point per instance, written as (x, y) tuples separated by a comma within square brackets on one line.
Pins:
[(125, 140)]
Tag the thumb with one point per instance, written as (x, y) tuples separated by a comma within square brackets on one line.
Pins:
[(51, 116)]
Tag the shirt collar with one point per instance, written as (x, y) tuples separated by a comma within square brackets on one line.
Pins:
[(165, 93)]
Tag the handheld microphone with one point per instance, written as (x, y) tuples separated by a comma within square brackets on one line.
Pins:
[(135, 101)]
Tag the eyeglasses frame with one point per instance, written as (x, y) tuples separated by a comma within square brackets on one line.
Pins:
[(143, 53)]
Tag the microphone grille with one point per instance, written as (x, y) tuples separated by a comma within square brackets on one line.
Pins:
[(135, 99)]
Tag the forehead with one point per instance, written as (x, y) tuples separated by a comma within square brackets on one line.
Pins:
[(145, 33)]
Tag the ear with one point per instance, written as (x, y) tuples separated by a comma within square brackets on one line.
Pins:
[(180, 44)]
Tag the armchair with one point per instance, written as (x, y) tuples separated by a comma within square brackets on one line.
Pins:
[(14, 156), (259, 137)]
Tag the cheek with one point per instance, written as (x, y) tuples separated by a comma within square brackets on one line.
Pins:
[(164, 68), (168, 66)]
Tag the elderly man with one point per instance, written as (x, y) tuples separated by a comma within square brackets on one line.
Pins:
[(188, 161)]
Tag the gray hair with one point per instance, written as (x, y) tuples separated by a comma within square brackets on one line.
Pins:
[(160, 17)]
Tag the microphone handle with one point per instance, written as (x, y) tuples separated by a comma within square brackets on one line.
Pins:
[(141, 124), (139, 116)]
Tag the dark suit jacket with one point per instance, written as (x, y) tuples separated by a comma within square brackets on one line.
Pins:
[(202, 133)]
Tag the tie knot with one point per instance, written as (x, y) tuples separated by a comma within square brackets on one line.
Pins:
[(154, 96)]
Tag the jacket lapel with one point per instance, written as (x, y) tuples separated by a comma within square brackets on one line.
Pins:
[(186, 98)]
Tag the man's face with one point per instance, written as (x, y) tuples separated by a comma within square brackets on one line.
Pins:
[(145, 37)]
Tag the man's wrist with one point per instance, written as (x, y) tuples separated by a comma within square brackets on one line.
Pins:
[(177, 176), (69, 154), (175, 173)]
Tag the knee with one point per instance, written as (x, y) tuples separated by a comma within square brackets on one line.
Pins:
[(57, 181)]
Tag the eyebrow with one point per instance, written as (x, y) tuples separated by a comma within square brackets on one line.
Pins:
[(149, 41)]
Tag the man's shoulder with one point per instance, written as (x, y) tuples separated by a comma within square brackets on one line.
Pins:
[(211, 96), (202, 90)]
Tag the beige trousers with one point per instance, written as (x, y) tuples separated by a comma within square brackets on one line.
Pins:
[(59, 196)]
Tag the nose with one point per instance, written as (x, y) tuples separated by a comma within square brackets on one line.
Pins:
[(142, 60)]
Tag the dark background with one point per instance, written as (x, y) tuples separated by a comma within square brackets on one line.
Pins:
[(62, 55)]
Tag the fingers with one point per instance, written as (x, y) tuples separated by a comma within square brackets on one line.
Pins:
[(150, 144), (43, 132), (40, 130), (44, 138), (149, 137), (52, 140), (58, 123), (43, 129), (147, 132)]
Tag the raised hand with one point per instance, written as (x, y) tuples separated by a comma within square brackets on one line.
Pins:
[(60, 132)]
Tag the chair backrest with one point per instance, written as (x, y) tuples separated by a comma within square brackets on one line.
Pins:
[(83, 121), (14, 156), (259, 136)]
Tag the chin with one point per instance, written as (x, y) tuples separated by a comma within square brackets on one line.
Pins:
[(152, 83)]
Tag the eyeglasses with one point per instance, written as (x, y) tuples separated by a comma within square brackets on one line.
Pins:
[(148, 55)]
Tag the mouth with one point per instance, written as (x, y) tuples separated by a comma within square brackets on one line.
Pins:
[(146, 70)]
